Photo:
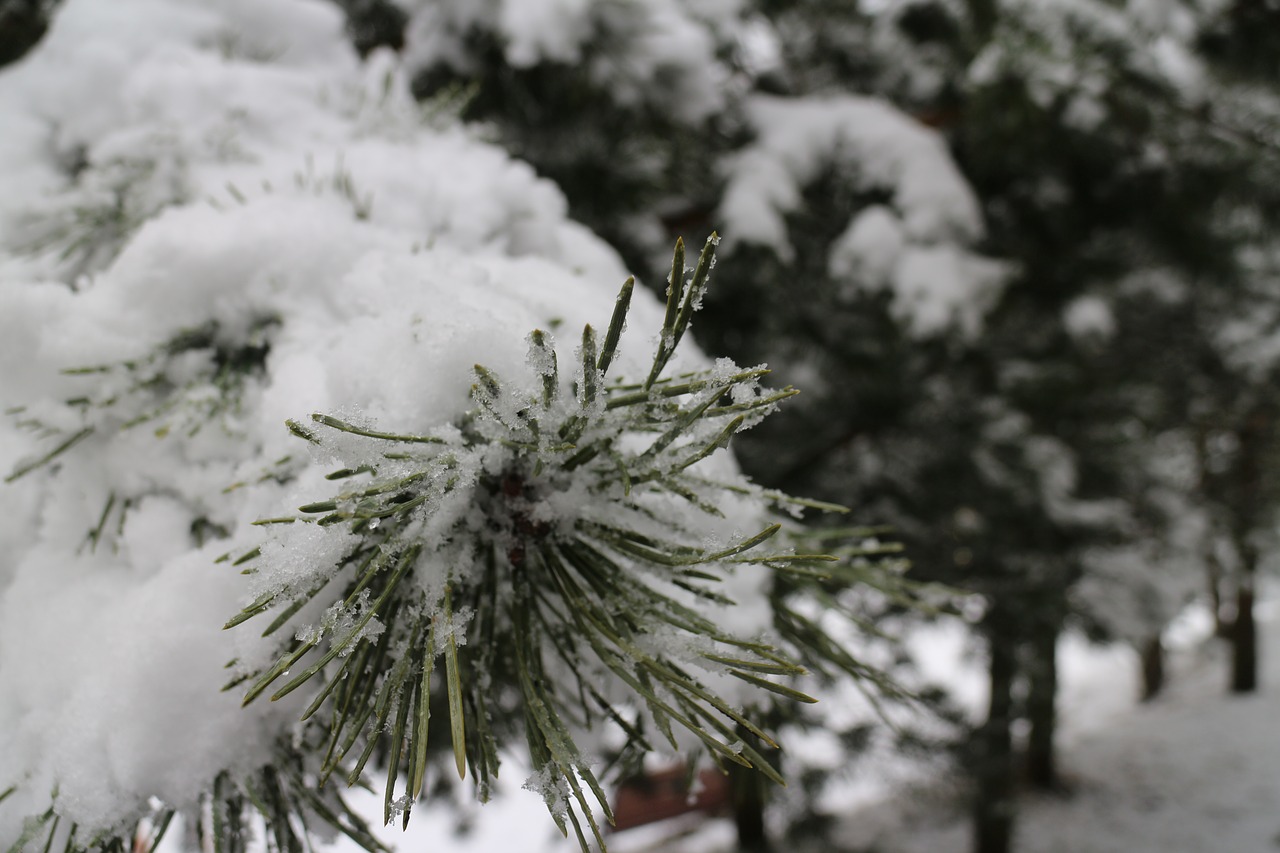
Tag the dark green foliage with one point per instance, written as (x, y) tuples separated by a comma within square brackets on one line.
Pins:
[(374, 23), (22, 24), (1245, 39)]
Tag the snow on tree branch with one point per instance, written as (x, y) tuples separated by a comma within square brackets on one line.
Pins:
[(219, 222), (912, 235)]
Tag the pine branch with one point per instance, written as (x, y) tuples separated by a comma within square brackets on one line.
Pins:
[(548, 602), (273, 803), (130, 393)]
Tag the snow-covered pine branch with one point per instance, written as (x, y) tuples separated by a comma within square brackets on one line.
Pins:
[(216, 222), (916, 244)]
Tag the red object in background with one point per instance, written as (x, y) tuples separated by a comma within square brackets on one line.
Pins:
[(663, 794)]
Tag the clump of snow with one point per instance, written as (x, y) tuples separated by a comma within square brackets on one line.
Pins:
[(915, 244), (1089, 318), (1067, 53), (880, 147), (553, 789), (662, 53), (941, 287), (870, 249)]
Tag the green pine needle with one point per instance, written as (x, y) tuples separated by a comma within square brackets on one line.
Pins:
[(546, 606)]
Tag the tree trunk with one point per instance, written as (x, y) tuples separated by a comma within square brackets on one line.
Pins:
[(1244, 640), (993, 768), (1256, 440), (1152, 653), (1042, 691), (1221, 627)]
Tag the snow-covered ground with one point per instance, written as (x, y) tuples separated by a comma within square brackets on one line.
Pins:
[(1196, 770)]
